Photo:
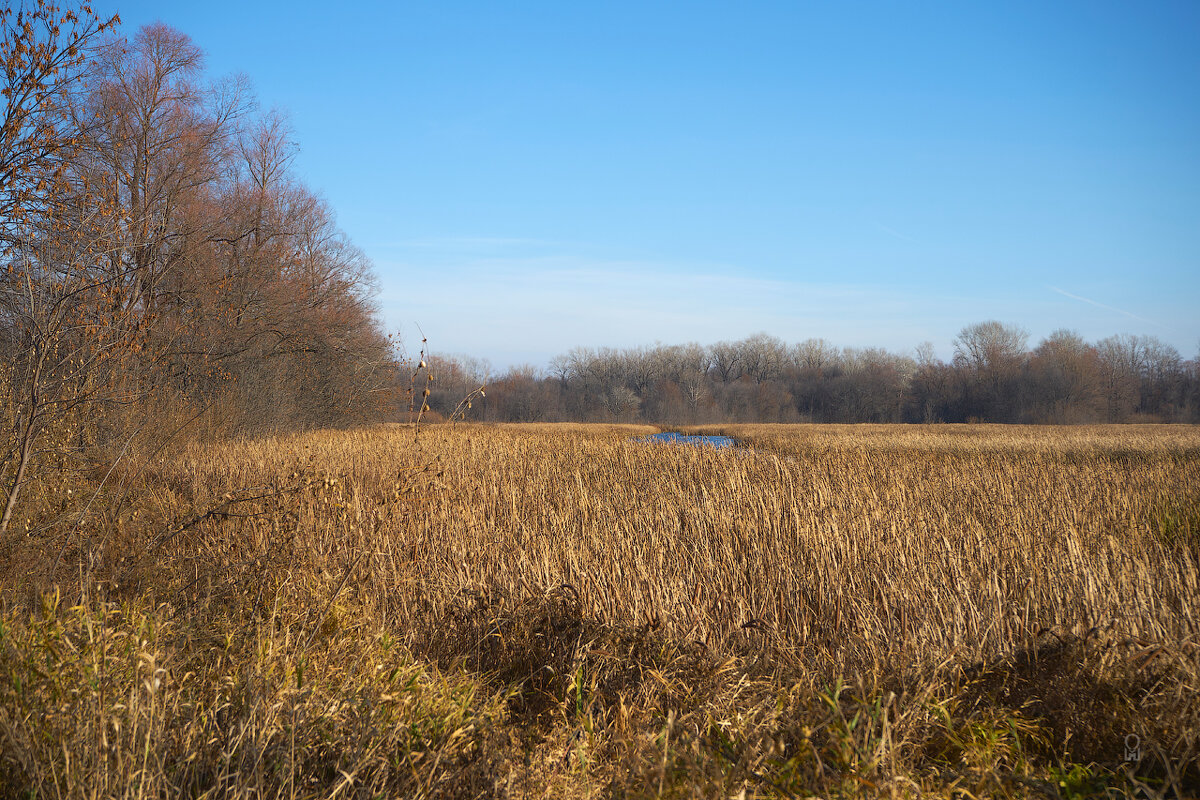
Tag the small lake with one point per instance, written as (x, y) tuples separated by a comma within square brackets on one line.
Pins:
[(680, 438)]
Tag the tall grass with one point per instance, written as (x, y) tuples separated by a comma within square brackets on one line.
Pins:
[(545, 610)]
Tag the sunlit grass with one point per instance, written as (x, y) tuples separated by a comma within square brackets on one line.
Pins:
[(549, 610)]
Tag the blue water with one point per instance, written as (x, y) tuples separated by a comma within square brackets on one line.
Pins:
[(679, 438)]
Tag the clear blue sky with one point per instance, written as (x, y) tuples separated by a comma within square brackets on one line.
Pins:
[(528, 177)]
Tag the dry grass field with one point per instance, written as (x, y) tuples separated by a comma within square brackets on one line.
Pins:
[(559, 611)]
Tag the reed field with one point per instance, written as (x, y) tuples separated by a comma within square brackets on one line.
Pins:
[(564, 611)]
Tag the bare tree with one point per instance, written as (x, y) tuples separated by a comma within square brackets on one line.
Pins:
[(1065, 379), (815, 355), (58, 346), (1140, 374), (726, 360), (762, 357), (990, 345), (992, 354), (926, 354), (159, 135)]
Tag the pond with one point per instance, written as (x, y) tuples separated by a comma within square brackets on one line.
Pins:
[(671, 437)]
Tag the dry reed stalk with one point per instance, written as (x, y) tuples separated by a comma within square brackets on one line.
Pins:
[(990, 580)]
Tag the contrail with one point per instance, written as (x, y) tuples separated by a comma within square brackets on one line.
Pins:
[(899, 236), (1101, 305)]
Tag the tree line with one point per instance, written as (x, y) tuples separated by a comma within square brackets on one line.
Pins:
[(993, 376), (160, 263)]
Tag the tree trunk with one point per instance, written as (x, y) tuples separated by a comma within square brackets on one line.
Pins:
[(19, 479)]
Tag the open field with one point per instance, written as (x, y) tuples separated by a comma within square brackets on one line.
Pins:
[(559, 611)]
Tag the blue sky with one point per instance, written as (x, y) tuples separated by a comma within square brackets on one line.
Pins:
[(528, 177)]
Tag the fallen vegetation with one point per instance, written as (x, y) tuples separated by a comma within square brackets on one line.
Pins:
[(559, 611)]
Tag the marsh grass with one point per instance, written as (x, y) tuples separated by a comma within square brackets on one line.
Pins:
[(559, 611), (1176, 521)]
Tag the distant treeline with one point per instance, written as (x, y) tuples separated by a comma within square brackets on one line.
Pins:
[(993, 377)]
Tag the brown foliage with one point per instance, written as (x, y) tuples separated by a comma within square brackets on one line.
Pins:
[(159, 261)]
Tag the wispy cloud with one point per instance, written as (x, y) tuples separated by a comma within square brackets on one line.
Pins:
[(547, 304), (529, 302)]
